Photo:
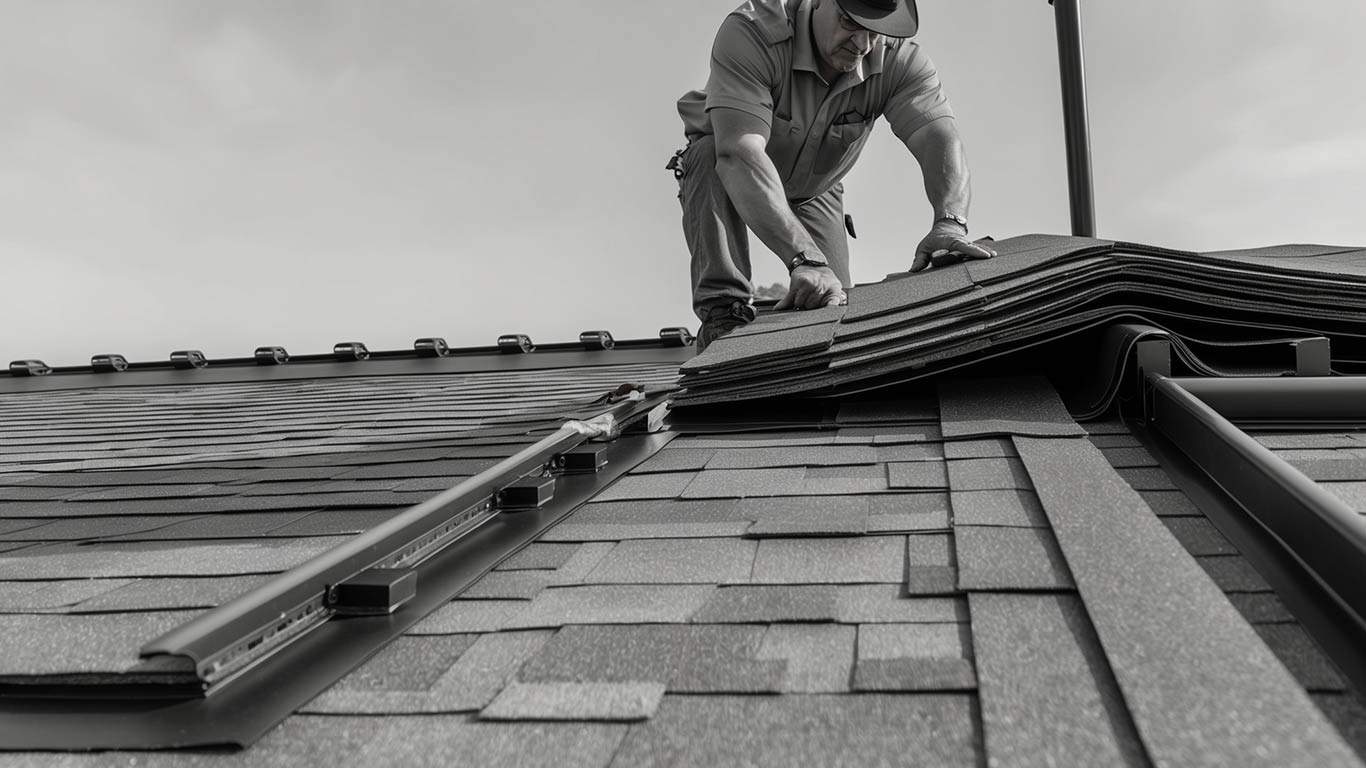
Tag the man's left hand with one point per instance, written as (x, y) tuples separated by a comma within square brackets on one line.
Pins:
[(947, 238)]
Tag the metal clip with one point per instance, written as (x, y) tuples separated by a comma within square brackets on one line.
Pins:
[(350, 350), (186, 359), (516, 343), (675, 164), (584, 460), (433, 346), (596, 340), (676, 337), (527, 493), (108, 363), (29, 368), (271, 355)]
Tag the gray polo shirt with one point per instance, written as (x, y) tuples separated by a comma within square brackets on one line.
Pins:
[(764, 63)]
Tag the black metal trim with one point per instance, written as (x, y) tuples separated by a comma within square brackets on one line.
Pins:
[(1076, 124), (1309, 401), (243, 712), (1318, 529), (1341, 633)]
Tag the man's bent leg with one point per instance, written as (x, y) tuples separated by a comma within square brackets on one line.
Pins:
[(715, 233), (823, 218)]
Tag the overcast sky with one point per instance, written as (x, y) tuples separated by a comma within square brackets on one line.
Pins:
[(223, 175)]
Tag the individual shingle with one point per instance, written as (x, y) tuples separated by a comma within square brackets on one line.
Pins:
[(338, 522), (611, 604), (694, 658), (28, 596), (792, 456), (419, 743), (140, 492), (1261, 607), (672, 459), (600, 702), (984, 448), (1129, 457), (1009, 559), (751, 604), (1012, 508), (887, 454), (810, 526), (929, 475), (582, 562), (1302, 656), (1170, 504), (930, 503), (913, 657), (872, 559), (91, 644), (1199, 536), (740, 483), (571, 531), (1347, 713), (819, 657), (112, 560), (538, 556), (507, 585), (756, 440), (861, 730), (170, 594), (80, 528), (464, 616), (988, 475), (1115, 441), (623, 512), (408, 663), (881, 436), (803, 507), (1332, 470), (468, 684), (675, 561), (1196, 677), (1047, 694), (1147, 479), (1233, 573), (884, 603), (1010, 405), (658, 486), (908, 522)]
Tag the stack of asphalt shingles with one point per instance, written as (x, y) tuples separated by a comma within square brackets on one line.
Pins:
[(981, 590), (126, 511), (1038, 289)]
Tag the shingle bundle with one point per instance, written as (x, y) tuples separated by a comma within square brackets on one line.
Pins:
[(1225, 312)]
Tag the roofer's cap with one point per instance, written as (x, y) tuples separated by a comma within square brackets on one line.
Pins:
[(893, 18)]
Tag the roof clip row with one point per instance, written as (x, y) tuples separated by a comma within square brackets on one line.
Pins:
[(350, 350), (29, 368), (188, 358), (596, 340)]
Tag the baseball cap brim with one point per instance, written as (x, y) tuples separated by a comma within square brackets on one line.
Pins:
[(885, 17)]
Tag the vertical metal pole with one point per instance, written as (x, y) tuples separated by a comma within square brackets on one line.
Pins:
[(1075, 122)]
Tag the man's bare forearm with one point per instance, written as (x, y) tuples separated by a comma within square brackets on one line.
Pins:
[(752, 182), (944, 165)]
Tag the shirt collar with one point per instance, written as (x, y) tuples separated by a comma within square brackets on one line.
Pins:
[(805, 57)]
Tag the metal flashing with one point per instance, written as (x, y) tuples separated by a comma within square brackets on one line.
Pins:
[(240, 713)]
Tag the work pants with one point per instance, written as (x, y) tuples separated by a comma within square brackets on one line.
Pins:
[(719, 241)]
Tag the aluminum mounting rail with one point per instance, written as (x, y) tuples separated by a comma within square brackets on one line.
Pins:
[(1317, 528), (227, 641)]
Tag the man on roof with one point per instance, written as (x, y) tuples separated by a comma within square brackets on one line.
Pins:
[(795, 87)]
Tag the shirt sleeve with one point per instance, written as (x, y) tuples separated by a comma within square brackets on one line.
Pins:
[(744, 70), (917, 97)]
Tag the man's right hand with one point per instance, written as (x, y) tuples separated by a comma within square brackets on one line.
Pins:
[(812, 288)]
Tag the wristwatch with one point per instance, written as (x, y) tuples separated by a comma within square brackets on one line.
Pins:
[(804, 259), (955, 218)]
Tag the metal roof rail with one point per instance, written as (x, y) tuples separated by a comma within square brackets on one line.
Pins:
[(229, 640)]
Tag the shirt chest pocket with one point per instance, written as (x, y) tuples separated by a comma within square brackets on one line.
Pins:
[(842, 142)]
